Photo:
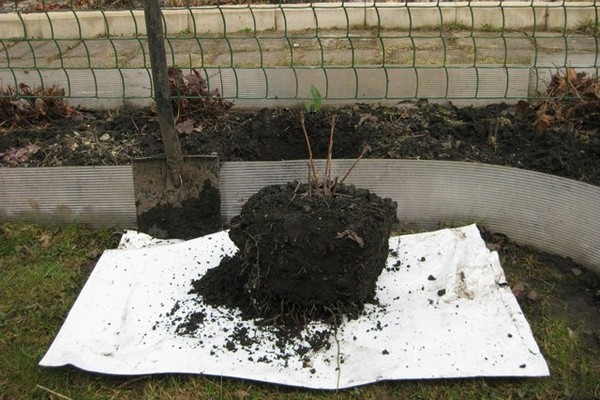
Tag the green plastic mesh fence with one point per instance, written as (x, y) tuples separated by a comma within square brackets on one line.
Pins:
[(351, 51)]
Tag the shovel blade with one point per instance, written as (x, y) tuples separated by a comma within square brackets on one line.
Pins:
[(183, 210)]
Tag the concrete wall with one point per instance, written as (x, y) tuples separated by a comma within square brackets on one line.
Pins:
[(297, 17)]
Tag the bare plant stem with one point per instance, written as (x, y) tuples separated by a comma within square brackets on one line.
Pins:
[(52, 392), (365, 150), (308, 180), (327, 183), (295, 192), (311, 163)]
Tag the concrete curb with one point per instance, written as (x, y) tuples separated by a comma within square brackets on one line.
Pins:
[(62, 25), (286, 87), (553, 214)]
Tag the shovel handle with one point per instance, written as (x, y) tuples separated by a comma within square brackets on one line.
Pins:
[(158, 62)]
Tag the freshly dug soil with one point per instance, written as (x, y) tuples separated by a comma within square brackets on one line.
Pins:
[(496, 134), (303, 256)]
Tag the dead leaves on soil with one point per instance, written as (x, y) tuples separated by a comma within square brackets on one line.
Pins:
[(21, 155), (190, 96), (22, 105), (571, 102)]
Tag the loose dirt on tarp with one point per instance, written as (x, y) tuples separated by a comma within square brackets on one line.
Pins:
[(303, 256), (547, 287)]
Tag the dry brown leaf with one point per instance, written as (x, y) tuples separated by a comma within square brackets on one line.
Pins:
[(542, 122), (571, 74), (186, 126), (367, 118), (522, 107), (492, 142), (518, 289), (45, 240), (350, 234)]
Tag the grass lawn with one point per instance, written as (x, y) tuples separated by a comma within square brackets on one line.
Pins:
[(42, 270)]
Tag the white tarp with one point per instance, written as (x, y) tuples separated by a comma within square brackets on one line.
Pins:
[(445, 311)]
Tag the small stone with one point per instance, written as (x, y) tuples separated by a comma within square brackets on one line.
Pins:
[(93, 253), (406, 105), (240, 394), (533, 295), (104, 138), (493, 246), (447, 145), (576, 272), (441, 292), (431, 278)]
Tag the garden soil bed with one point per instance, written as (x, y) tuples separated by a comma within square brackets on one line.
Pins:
[(546, 286), (496, 134)]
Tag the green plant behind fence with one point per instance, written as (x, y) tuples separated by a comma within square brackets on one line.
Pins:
[(275, 52)]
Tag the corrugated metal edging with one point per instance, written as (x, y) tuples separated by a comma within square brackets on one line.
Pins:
[(553, 214), (557, 215), (95, 196)]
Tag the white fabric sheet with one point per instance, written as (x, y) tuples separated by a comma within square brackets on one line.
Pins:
[(445, 311)]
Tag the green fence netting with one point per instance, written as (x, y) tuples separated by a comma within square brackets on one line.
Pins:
[(350, 51)]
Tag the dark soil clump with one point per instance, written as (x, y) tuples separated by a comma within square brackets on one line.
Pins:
[(204, 208), (303, 256)]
